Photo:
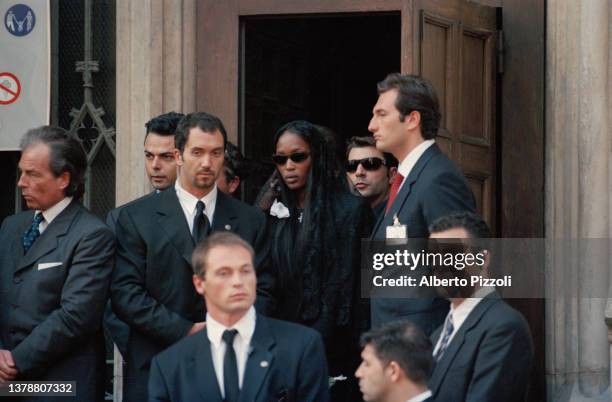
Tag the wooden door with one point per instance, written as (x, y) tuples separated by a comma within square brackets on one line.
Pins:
[(455, 49), (451, 42)]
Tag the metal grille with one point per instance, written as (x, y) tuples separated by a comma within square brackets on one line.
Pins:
[(86, 94), (85, 99)]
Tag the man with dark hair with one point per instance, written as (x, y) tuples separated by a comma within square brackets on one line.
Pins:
[(484, 350), (55, 266), (152, 289), (240, 355), (234, 170), (161, 168), (370, 171), (427, 186), (396, 364)]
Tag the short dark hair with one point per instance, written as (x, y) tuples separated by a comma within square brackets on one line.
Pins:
[(234, 164), (222, 238), (415, 93), (205, 121), (404, 343), (473, 223), (369, 141), (164, 124), (65, 155)]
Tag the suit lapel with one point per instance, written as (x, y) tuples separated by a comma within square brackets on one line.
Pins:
[(457, 342), (259, 361), (412, 178), (225, 217), (172, 219), (48, 240), (207, 383), (16, 246), (406, 188)]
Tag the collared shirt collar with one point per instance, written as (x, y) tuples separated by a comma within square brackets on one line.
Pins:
[(420, 397), (52, 213), (462, 311), (188, 202), (245, 327), (412, 158)]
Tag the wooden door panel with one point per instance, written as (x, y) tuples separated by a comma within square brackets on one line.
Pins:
[(456, 54), (477, 61), (436, 58)]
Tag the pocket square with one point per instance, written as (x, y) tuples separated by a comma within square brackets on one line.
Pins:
[(45, 265)]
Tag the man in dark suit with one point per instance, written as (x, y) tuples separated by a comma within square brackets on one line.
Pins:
[(152, 289), (427, 186), (55, 266), (161, 168), (396, 364), (484, 350), (240, 355)]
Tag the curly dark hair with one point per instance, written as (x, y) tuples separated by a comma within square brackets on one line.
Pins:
[(304, 257)]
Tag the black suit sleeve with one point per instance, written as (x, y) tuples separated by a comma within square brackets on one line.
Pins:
[(82, 302), (448, 193), (158, 391), (313, 382), (503, 364), (130, 299), (266, 280)]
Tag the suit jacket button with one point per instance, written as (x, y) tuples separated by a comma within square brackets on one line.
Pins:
[(17, 280)]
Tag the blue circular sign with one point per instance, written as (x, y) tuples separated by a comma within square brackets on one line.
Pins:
[(19, 20)]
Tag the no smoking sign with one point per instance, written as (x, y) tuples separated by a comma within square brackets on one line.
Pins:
[(10, 88)]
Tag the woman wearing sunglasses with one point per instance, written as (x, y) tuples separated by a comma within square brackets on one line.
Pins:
[(315, 226)]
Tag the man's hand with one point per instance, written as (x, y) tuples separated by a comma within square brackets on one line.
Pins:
[(8, 370), (196, 327)]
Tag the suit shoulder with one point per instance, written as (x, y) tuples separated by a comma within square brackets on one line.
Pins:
[(291, 331), (87, 220), (179, 350), (115, 211), (244, 208), (17, 218), (501, 314)]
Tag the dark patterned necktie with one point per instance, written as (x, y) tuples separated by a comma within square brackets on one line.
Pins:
[(201, 225), (230, 367), (32, 233), (448, 330)]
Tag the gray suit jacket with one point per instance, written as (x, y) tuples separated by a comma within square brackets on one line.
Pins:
[(50, 318), (488, 359)]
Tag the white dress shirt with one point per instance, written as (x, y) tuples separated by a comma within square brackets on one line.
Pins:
[(188, 203), (420, 397), (462, 311), (50, 214), (242, 344), (412, 158)]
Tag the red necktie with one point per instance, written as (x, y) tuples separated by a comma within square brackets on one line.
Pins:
[(394, 190)]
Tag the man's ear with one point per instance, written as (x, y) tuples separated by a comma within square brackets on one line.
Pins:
[(395, 371), (234, 184), (391, 174), (198, 283), (178, 156), (413, 120), (64, 180)]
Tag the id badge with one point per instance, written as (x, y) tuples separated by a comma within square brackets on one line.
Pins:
[(397, 230)]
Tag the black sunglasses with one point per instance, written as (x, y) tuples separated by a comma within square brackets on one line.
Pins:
[(369, 164), (296, 157)]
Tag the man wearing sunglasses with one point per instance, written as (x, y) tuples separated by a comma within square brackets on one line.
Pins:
[(370, 171)]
